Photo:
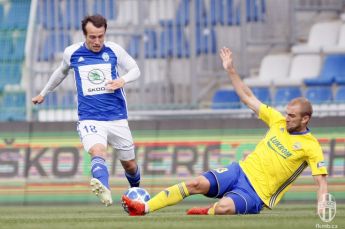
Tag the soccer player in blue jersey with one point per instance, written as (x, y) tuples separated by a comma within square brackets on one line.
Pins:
[(102, 107), (265, 175)]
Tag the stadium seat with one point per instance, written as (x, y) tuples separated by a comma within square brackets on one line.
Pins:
[(183, 13), (54, 42), (319, 94), (255, 10), (271, 67), (19, 44), (14, 102), (304, 66), (166, 39), (6, 46), (222, 12), (206, 41), (133, 46), (75, 11), (68, 100), (263, 94), (340, 46), (284, 94), (49, 15), (200, 13), (340, 95), (107, 8), (18, 15), (10, 73), (181, 43), (333, 68), (225, 99), (150, 43), (1, 13), (50, 101), (321, 35)]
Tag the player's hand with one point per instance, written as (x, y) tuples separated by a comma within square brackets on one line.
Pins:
[(226, 56), (115, 84), (37, 99)]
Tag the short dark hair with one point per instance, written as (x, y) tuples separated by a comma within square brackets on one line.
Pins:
[(97, 20)]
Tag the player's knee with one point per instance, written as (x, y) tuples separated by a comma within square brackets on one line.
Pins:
[(225, 208), (129, 166), (98, 150), (197, 186)]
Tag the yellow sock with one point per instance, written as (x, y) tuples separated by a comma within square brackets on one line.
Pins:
[(168, 197), (211, 211)]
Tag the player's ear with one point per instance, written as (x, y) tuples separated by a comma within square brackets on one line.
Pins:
[(305, 119)]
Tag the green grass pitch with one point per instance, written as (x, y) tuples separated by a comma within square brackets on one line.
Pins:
[(97, 216)]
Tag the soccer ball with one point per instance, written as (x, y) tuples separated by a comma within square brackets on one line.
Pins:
[(137, 194)]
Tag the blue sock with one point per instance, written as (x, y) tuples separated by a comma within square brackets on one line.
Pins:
[(99, 170), (134, 179)]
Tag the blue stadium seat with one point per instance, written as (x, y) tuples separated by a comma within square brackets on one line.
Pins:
[(76, 10), (206, 41), (68, 100), (340, 95), (14, 104), (1, 14), (333, 70), (200, 13), (263, 94), (18, 15), (255, 10), (53, 43), (150, 43), (319, 94), (6, 46), (225, 99), (10, 73), (50, 101), (107, 8), (49, 14), (182, 44), (133, 46), (166, 39), (222, 12), (182, 14), (19, 50), (284, 94)]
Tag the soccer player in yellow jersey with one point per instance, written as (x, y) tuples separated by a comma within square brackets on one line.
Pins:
[(265, 175)]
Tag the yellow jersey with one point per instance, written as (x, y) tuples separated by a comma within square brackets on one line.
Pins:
[(280, 158)]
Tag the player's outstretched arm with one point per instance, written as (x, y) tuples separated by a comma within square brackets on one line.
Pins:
[(55, 79), (321, 182), (243, 91)]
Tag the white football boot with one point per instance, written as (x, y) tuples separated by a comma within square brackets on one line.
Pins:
[(102, 192)]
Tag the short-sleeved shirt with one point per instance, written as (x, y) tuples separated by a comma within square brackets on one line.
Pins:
[(92, 70), (280, 158)]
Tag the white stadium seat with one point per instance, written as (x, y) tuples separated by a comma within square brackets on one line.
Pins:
[(272, 67), (340, 46), (322, 35), (304, 66)]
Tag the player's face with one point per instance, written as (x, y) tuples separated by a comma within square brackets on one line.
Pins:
[(294, 120), (94, 37)]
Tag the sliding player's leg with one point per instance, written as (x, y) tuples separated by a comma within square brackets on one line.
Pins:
[(168, 197)]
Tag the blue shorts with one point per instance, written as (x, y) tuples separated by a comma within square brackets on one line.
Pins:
[(233, 183)]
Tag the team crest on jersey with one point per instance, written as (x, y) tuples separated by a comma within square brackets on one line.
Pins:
[(96, 76), (297, 146), (105, 56), (221, 170)]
